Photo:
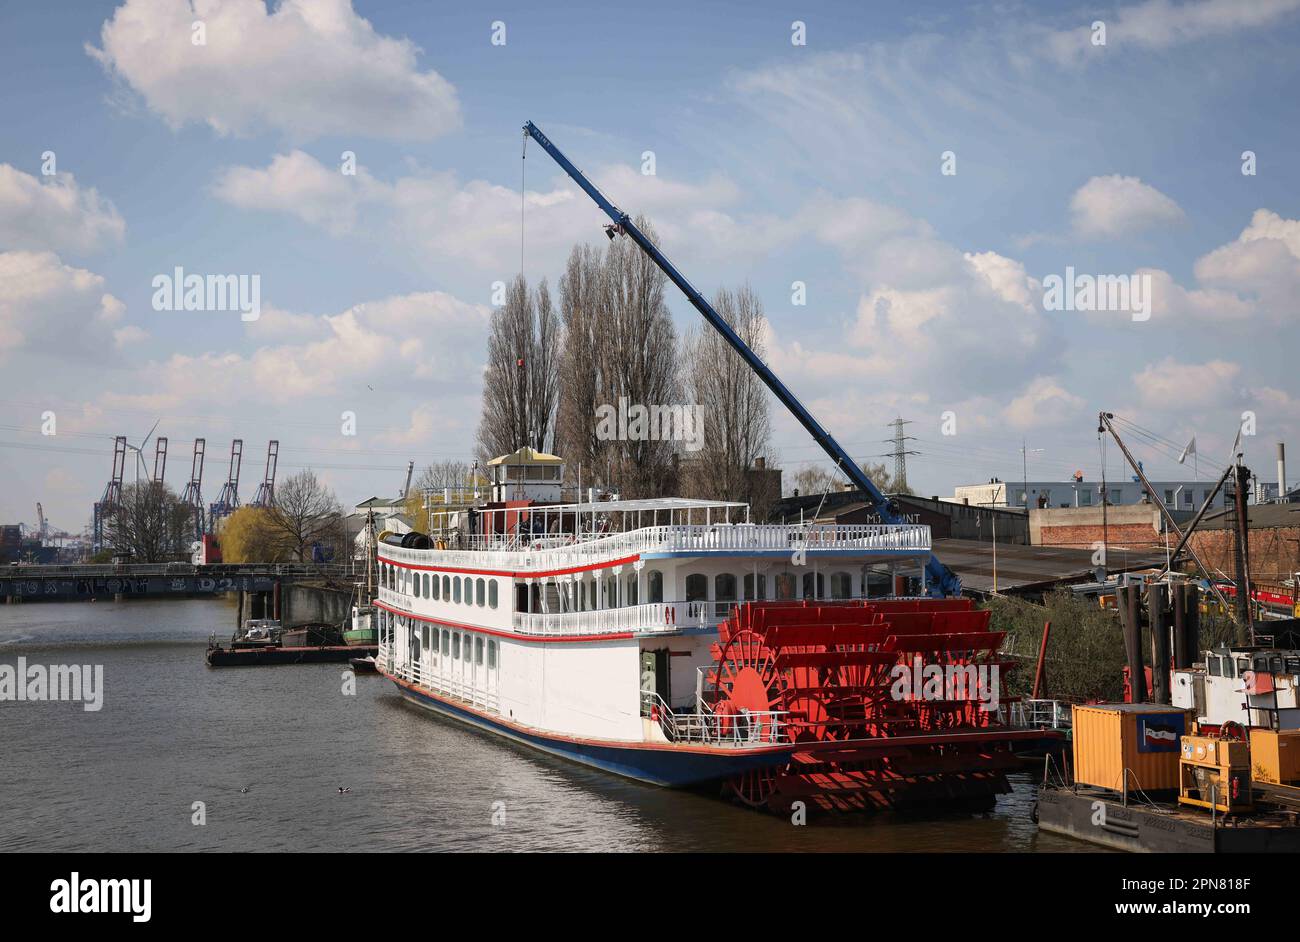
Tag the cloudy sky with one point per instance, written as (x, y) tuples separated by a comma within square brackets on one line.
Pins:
[(820, 163)]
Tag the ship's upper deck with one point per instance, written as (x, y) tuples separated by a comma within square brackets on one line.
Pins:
[(551, 537)]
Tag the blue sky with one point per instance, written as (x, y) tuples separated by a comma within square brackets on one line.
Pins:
[(774, 163)]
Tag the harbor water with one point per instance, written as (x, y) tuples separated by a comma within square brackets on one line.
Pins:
[(182, 757)]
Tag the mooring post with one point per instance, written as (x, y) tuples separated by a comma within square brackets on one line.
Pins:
[(1157, 602), (1182, 657)]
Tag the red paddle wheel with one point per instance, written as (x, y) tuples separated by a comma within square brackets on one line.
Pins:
[(824, 673)]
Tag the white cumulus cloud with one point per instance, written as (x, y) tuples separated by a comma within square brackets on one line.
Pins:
[(305, 68), (1113, 205), (47, 307), (54, 213)]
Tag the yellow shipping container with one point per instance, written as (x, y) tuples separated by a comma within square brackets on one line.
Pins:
[(1274, 756), (1140, 737)]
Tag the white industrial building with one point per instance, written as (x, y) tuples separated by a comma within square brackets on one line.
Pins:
[(1180, 495)]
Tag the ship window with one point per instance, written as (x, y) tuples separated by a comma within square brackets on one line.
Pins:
[(841, 585), (1243, 665), (455, 645), (724, 587), (749, 587), (631, 589), (478, 651), (424, 636), (436, 585), (415, 585), (697, 587), (492, 594), (480, 593), (814, 585), (426, 585), (446, 643), (1212, 666), (655, 588), (492, 654), (446, 588), (455, 589), (785, 584)]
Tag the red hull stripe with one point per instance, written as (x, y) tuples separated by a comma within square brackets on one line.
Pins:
[(518, 574), (650, 745), (513, 635)]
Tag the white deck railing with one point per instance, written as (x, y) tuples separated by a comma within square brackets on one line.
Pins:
[(455, 687), (758, 728), (651, 617), (542, 554)]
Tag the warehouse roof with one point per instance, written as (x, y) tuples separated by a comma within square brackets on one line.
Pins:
[(1022, 566)]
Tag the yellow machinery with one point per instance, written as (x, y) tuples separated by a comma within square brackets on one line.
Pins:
[(1214, 773), (1275, 756)]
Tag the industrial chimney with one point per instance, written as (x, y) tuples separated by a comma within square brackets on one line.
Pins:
[(1281, 470)]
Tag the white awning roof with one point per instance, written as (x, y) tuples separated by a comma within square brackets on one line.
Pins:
[(650, 503)]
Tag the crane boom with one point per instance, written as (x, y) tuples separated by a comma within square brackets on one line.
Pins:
[(941, 579)]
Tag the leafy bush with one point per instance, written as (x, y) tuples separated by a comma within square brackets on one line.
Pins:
[(1085, 651)]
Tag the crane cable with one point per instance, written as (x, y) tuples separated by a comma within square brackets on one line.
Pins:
[(523, 165)]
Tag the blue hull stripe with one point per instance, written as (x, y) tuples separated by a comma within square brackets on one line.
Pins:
[(671, 768)]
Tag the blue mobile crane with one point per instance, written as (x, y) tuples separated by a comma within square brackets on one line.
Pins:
[(939, 578)]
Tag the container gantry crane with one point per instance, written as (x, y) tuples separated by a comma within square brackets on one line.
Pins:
[(112, 496), (939, 578), (266, 490), (227, 501), (193, 495)]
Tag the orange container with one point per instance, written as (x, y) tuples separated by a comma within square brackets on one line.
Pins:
[(1274, 756), (1142, 738)]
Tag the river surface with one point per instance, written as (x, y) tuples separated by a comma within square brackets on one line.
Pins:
[(265, 750)]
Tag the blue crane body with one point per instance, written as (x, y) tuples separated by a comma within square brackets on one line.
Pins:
[(939, 578)]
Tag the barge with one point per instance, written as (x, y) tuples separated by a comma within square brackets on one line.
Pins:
[(263, 642), (1215, 771)]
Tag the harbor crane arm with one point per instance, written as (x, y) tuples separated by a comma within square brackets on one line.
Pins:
[(1104, 425), (941, 580)]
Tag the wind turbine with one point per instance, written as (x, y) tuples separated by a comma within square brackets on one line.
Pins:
[(139, 453)]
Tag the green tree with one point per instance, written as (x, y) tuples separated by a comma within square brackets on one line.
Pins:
[(247, 536)]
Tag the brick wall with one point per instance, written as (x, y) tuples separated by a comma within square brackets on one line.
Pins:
[(1274, 551), (1121, 536), (1134, 526)]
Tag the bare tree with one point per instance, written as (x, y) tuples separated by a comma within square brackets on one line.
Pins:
[(521, 385), (443, 474), (306, 512), (584, 312), (150, 523), (620, 348), (641, 361), (734, 405), (813, 480)]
